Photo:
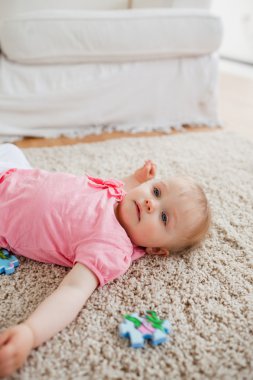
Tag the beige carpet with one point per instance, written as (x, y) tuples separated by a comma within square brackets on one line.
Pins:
[(205, 293)]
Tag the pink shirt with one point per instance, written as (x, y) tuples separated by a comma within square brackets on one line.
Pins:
[(65, 219)]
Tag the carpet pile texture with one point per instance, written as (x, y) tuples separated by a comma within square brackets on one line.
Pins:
[(206, 292)]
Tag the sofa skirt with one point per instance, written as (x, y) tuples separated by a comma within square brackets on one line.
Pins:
[(90, 98)]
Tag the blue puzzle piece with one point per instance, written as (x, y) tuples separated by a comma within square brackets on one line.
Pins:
[(8, 262), (158, 337), (167, 326), (138, 329), (128, 330)]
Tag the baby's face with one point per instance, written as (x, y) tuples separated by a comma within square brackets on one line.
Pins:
[(151, 214)]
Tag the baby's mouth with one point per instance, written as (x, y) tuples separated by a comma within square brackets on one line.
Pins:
[(138, 211)]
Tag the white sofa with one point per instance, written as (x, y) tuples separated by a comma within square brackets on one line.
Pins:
[(87, 66)]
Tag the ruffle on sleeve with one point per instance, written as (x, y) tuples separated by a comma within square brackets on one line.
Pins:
[(115, 187), (6, 173)]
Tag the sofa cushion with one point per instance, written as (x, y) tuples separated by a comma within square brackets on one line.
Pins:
[(109, 36), (202, 4), (14, 7)]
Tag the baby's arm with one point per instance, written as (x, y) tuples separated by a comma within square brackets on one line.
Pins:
[(51, 316), (143, 174)]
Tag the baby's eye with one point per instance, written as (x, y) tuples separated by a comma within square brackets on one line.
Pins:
[(164, 218), (157, 192)]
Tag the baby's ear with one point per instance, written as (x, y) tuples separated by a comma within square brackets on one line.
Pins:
[(157, 251)]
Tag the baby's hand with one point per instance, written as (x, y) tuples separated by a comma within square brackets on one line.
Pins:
[(146, 172), (15, 345)]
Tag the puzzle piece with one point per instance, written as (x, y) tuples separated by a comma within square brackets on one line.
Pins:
[(167, 326), (8, 262), (128, 330), (158, 337), (146, 329), (138, 329)]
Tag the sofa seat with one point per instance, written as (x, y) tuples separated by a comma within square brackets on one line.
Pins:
[(76, 73)]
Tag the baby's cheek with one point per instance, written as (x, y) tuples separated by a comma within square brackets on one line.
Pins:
[(145, 231), (151, 235), (150, 230)]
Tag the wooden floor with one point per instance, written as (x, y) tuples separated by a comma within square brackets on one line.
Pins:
[(236, 113), (236, 104)]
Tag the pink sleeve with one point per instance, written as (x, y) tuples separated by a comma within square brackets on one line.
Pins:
[(138, 253), (107, 262)]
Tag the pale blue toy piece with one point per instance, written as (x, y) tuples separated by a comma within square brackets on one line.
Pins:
[(8, 262), (158, 337), (167, 326), (128, 330)]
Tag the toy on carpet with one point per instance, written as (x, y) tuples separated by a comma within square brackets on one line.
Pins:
[(150, 327), (8, 262)]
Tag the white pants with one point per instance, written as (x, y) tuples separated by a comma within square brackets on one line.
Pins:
[(12, 157)]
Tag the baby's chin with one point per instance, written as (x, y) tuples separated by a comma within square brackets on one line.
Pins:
[(135, 239)]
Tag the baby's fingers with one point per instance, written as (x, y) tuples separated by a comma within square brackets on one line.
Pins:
[(146, 172), (7, 357), (7, 367), (4, 337), (150, 169), (6, 351)]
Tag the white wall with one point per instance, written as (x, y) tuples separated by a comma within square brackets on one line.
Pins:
[(237, 18)]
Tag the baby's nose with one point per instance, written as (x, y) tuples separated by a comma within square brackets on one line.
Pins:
[(149, 205)]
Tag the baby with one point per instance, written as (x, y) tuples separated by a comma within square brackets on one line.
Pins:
[(97, 227)]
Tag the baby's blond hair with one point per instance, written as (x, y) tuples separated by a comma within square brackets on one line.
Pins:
[(195, 205)]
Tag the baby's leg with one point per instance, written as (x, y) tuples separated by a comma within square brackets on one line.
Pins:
[(12, 157)]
